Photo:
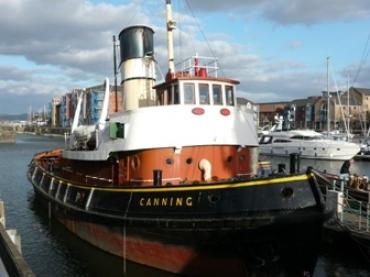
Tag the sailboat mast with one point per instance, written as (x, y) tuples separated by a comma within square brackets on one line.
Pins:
[(171, 24), (327, 89), (348, 130)]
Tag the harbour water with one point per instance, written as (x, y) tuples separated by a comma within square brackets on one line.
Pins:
[(50, 250)]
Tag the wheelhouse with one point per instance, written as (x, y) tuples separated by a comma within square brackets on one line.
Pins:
[(197, 84), (188, 91)]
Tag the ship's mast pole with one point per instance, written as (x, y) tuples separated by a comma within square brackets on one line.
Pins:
[(171, 24), (115, 73)]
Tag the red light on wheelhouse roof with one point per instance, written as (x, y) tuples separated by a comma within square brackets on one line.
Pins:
[(225, 112), (197, 111)]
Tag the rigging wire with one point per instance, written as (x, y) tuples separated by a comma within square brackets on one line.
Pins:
[(202, 33), (365, 54), (179, 24)]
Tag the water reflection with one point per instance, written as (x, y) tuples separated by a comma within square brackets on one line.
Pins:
[(51, 250), (83, 259)]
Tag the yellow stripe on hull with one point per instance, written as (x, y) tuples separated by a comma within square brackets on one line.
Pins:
[(274, 181)]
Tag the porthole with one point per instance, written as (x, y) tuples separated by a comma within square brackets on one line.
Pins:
[(229, 159), (189, 160), (338, 149), (287, 192), (213, 198), (169, 161)]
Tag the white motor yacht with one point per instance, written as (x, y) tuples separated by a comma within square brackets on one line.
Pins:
[(309, 144)]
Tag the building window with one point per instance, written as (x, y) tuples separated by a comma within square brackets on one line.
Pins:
[(204, 94), (189, 93)]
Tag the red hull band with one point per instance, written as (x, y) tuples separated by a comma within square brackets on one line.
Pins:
[(169, 257)]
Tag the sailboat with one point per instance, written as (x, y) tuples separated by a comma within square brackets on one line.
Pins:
[(171, 181)]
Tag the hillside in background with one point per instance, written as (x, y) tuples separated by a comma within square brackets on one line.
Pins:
[(12, 117)]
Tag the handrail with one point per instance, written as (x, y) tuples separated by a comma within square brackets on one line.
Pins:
[(193, 64)]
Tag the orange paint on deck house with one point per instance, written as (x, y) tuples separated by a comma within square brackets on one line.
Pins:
[(183, 167)]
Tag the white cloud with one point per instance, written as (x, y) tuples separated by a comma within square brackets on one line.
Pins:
[(72, 33), (291, 11), (74, 38), (295, 44)]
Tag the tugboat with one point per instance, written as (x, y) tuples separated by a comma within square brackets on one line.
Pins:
[(171, 181)]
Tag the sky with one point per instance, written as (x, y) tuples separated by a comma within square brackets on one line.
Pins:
[(277, 49)]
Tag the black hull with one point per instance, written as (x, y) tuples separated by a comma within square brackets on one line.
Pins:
[(269, 226)]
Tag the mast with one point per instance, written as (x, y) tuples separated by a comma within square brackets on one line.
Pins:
[(171, 25), (327, 89), (348, 130)]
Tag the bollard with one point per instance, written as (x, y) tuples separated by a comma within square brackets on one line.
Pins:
[(334, 202), (157, 177), (294, 163), (2, 214)]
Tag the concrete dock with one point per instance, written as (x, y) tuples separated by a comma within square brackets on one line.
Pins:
[(12, 262), (7, 134)]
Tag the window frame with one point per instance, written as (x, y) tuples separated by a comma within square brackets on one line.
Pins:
[(227, 98), (208, 102), (185, 85), (221, 95)]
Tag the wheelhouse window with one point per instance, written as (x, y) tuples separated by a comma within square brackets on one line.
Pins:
[(176, 95), (204, 94), (229, 95), (217, 94), (169, 96), (189, 93), (160, 97)]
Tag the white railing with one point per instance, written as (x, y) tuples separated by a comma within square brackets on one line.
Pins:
[(355, 213), (199, 66)]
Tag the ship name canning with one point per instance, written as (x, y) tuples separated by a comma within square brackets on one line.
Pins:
[(166, 201)]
